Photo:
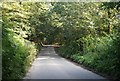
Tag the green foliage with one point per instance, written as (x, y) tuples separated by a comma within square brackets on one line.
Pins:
[(17, 51), (91, 38), (18, 54), (99, 53), (88, 32)]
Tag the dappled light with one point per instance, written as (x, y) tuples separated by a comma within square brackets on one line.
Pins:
[(85, 33)]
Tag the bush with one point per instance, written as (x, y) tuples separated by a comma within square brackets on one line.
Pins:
[(99, 53), (18, 54)]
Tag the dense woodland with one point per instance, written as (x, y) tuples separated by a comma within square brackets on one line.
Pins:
[(88, 33)]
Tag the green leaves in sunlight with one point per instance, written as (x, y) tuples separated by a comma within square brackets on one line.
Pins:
[(17, 55), (18, 51), (89, 33)]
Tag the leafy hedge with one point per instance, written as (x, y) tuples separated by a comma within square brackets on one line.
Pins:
[(100, 53), (18, 54)]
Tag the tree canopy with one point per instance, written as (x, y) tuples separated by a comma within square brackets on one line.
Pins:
[(89, 34)]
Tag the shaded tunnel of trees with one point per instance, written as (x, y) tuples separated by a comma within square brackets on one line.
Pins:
[(88, 33)]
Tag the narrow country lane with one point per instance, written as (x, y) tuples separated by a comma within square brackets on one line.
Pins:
[(49, 65)]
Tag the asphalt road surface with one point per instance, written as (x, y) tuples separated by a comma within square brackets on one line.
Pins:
[(48, 65)]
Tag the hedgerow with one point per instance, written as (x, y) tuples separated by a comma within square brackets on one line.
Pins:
[(17, 55)]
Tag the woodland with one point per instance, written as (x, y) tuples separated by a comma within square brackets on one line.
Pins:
[(88, 34)]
